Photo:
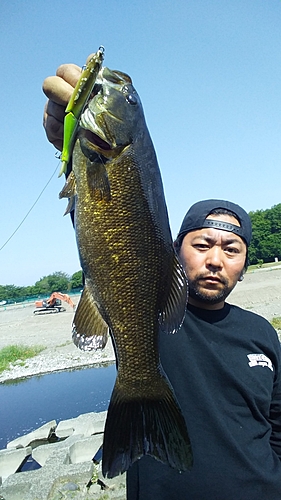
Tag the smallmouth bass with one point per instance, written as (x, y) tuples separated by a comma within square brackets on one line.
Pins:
[(134, 283)]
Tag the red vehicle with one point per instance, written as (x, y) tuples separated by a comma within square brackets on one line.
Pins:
[(53, 303)]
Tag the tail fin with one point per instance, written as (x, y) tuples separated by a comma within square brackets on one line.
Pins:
[(138, 426)]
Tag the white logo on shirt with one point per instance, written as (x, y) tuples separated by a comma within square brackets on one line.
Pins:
[(259, 360)]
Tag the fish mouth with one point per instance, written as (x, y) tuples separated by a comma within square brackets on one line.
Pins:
[(95, 147), (96, 140), (95, 135), (88, 122)]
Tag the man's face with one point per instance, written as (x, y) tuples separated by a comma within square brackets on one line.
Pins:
[(213, 260)]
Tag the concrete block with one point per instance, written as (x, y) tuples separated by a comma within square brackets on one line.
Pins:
[(65, 428), (62, 463), (11, 460), (85, 449), (42, 453), (80, 474), (42, 484), (99, 426), (87, 424), (40, 434), (16, 492), (114, 488)]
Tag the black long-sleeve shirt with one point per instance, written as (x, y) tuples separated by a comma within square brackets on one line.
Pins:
[(225, 368)]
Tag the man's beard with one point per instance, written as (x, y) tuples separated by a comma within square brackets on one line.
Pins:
[(203, 295)]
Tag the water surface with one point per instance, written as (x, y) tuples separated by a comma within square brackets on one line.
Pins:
[(30, 403)]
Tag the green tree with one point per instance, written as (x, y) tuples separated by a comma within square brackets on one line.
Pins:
[(77, 280), (266, 240), (11, 292), (56, 282)]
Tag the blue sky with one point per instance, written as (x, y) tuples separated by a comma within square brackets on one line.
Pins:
[(208, 73)]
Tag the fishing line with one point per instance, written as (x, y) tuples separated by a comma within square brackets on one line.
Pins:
[(25, 217)]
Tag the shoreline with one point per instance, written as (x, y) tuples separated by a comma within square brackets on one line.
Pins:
[(44, 364), (18, 325), (260, 292)]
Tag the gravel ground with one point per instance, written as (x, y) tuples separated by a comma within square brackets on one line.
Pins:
[(260, 292), (18, 325)]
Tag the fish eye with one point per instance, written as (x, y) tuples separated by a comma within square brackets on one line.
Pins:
[(131, 99)]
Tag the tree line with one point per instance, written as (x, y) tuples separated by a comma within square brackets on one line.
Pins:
[(56, 282), (265, 247), (266, 241)]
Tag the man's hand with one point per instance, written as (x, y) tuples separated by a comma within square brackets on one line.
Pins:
[(58, 89)]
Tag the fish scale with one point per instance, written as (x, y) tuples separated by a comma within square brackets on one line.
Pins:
[(134, 283)]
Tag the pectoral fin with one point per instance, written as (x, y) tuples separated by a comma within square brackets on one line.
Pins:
[(89, 330), (69, 191), (172, 315), (98, 180)]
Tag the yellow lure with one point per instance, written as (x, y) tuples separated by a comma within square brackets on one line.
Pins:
[(77, 103)]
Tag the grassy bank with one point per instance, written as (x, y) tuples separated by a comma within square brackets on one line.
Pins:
[(276, 323), (17, 353)]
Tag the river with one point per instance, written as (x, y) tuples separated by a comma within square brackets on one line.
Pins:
[(29, 403)]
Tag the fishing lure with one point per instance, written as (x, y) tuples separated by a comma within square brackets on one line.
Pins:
[(77, 104)]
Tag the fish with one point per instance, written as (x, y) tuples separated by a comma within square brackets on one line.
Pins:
[(135, 287)]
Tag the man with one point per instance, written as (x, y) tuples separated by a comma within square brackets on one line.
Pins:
[(224, 363)]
